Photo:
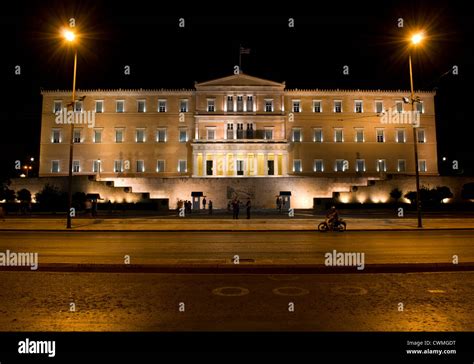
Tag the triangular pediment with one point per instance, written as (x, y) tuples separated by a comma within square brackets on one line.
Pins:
[(240, 80)]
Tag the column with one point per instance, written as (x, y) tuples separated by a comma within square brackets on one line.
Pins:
[(195, 165), (204, 159), (196, 133), (275, 163), (224, 161), (214, 165), (265, 164), (285, 164)]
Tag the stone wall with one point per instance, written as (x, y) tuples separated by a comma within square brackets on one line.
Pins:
[(261, 191)]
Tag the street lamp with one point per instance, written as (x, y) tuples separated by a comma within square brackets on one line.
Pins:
[(70, 38), (415, 40)]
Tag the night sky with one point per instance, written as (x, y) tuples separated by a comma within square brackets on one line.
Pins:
[(364, 36)]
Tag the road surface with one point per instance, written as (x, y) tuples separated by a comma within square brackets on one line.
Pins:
[(41, 301), (379, 247)]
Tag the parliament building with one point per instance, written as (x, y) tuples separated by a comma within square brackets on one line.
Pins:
[(237, 136)]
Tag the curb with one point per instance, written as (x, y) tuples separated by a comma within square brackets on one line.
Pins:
[(228, 230), (246, 268)]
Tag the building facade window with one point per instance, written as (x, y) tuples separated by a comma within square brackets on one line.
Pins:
[(57, 106), (422, 165), (97, 136), (77, 137), (140, 136), (118, 135), (297, 168), (211, 105), (76, 166), (230, 103), (341, 165), (162, 106), (358, 106), (381, 165), (99, 106), (360, 165), (268, 133), (379, 107), (420, 107), (400, 136), (317, 108), (182, 166), (268, 105), (420, 133), (401, 165), (250, 103), (240, 103), (338, 136), (118, 166), (161, 135), (78, 106), (55, 166), (380, 135), (160, 165), (211, 133), (183, 135), (140, 166), (96, 166), (318, 165), (318, 135), (337, 106), (183, 105), (296, 135), (399, 106), (141, 106), (120, 106), (359, 135), (296, 106), (230, 131)]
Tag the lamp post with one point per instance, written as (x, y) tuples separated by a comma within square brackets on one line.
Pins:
[(70, 37), (415, 40)]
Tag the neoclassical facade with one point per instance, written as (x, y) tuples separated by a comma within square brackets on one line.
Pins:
[(237, 128)]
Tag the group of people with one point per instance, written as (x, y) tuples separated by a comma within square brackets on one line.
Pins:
[(235, 205), (188, 205)]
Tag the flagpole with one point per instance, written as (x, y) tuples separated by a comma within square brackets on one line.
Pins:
[(240, 58)]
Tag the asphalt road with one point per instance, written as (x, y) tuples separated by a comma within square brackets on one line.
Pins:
[(152, 247), (41, 301)]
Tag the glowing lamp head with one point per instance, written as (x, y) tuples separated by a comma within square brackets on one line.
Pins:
[(69, 35), (416, 38)]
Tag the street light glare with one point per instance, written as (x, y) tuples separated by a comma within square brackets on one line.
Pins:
[(417, 38), (69, 35)]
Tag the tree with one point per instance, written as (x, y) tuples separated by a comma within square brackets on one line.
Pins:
[(78, 200), (430, 196), (440, 193), (7, 194), (467, 191), (396, 194), (51, 198), (24, 195)]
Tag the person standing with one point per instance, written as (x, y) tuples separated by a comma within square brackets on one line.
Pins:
[(210, 207), (248, 205), (204, 203), (279, 203), (94, 208), (237, 209)]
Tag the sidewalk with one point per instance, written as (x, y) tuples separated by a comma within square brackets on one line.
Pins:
[(204, 224)]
